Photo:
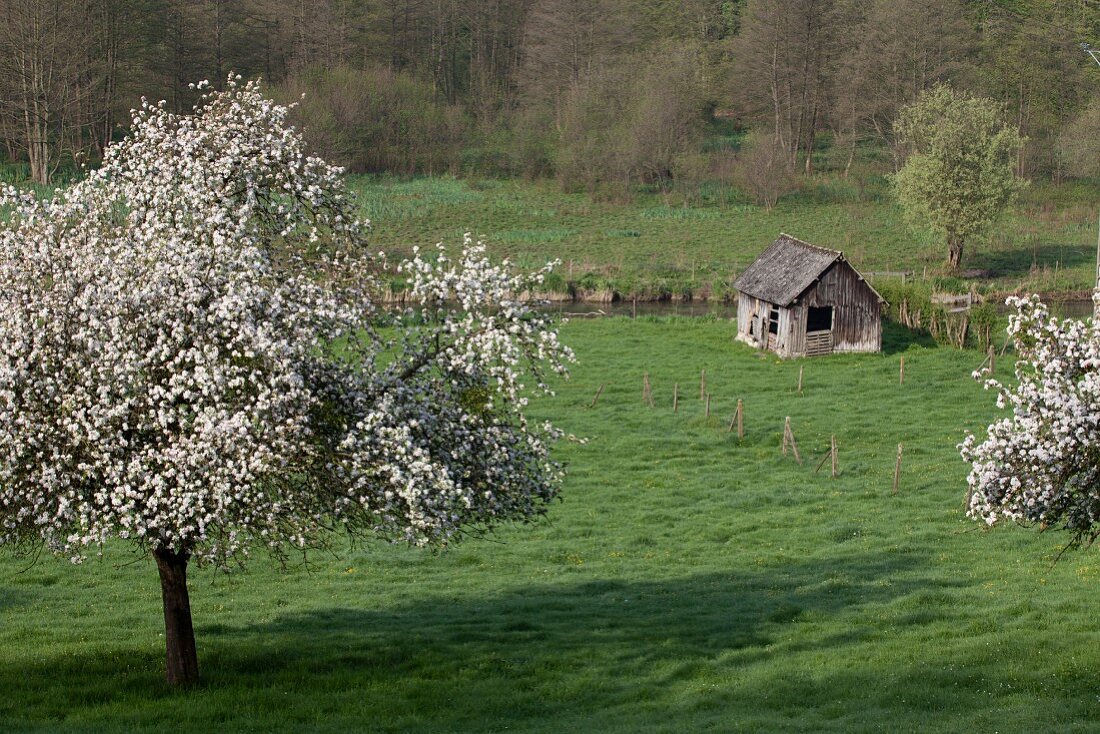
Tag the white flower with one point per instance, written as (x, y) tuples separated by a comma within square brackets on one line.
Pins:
[(1040, 464), (190, 358)]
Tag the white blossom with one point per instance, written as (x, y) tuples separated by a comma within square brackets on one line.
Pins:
[(1041, 464), (190, 357)]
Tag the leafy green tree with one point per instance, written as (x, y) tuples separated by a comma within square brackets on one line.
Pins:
[(960, 173)]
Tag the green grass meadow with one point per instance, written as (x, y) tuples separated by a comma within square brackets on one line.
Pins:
[(687, 581), (696, 243)]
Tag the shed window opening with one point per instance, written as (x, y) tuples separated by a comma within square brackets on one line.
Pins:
[(773, 321), (820, 319)]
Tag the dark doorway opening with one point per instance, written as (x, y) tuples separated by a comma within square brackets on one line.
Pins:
[(820, 319)]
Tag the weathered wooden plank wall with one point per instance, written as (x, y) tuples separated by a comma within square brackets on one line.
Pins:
[(857, 315), (747, 308)]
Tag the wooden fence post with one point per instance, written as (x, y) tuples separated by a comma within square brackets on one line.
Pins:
[(992, 360), (740, 420), (897, 469), (788, 437), (800, 380), (708, 406), (831, 455), (832, 452), (597, 398), (736, 421), (983, 364), (901, 372), (675, 397)]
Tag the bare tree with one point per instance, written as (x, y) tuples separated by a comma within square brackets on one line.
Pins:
[(763, 169), (1079, 143), (666, 115), (1030, 63), (565, 41), (45, 77), (494, 36), (375, 119), (785, 56), (635, 120), (903, 48)]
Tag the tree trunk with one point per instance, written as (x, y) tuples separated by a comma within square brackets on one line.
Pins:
[(811, 134), (179, 635), (851, 156), (954, 252)]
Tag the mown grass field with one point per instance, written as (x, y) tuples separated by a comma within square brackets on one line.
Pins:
[(697, 244), (686, 582)]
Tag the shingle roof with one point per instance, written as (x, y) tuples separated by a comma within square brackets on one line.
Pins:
[(787, 268)]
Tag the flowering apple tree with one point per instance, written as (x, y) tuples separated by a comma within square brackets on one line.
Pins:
[(1040, 465), (191, 360)]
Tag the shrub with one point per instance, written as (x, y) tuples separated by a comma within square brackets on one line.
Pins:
[(376, 120), (762, 169), (911, 305), (627, 125)]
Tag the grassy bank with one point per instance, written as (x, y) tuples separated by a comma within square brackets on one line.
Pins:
[(693, 244), (686, 583)]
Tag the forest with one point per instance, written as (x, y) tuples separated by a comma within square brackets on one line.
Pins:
[(603, 96)]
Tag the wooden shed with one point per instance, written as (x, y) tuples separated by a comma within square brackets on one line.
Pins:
[(800, 300)]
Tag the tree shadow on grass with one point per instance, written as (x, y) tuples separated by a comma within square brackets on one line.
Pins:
[(1020, 261), (611, 652), (11, 597), (898, 338)]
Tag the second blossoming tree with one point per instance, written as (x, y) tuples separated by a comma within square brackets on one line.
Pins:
[(1040, 464)]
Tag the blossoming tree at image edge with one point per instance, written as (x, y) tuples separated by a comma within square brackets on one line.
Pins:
[(1040, 465)]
